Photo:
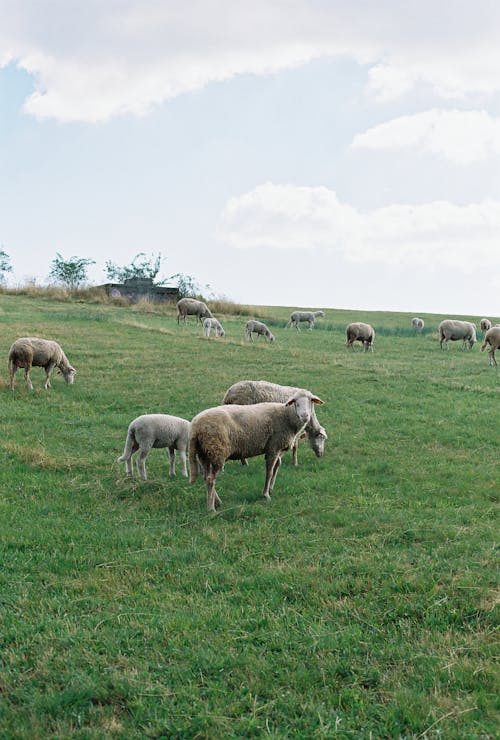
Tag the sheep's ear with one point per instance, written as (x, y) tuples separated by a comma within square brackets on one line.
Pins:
[(303, 436), (315, 399)]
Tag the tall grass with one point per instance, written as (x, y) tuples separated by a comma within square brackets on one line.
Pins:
[(361, 602)]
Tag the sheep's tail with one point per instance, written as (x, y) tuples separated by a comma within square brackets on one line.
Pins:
[(193, 459), (129, 446)]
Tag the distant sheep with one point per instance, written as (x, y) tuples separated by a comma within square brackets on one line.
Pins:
[(28, 352), (257, 327), (192, 307), (298, 316), (485, 324), (237, 432), (454, 330), (258, 391), (417, 323), (360, 332), (209, 324), (492, 338), (156, 430)]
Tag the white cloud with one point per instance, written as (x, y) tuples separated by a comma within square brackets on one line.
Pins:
[(439, 234), (94, 60), (462, 137)]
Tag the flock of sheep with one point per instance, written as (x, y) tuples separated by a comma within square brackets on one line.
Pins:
[(255, 417)]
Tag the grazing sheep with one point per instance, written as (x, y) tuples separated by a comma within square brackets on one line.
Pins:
[(237, 432), (453, 329), (209, 324), (359, 332), (156, 430), (485, 324), (417, 323), (298, 316), (192, 307), (257, 327), (492, 337), (27, 352), (258, 391)]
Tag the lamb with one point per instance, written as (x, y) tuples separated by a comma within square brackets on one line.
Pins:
[(27, 352), (258, 391), (192, 307), (485, 324), (453, 329), (156, 430), (237, 432), (257, 327), (360, 332), (298, 316), (214, 324), (417, 323), (492, 337)]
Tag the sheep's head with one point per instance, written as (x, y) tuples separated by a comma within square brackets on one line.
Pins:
[(68, 374), (302, 403), (317, 441)]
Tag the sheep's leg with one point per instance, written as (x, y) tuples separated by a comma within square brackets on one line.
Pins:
[(27, 377), (182, 455), (171, 453), (294, 453), (270, 475), (12, 371), (491, 353), (48, 370), (141, 463), (277, 466), (244, 462), (212, 497)]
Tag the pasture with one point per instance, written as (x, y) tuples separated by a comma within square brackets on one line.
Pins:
[(359, 603)]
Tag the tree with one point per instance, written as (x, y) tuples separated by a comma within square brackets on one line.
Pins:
[(71, 272), (5, 265), (145, 268)]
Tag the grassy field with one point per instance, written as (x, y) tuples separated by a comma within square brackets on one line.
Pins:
[(359, 603)]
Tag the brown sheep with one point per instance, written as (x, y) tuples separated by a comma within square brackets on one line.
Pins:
[(492, 337), (27, 352)]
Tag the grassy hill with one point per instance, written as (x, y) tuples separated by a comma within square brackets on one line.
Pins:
[(360, 602)]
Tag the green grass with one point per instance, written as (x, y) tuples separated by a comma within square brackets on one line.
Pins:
[(360, 602)]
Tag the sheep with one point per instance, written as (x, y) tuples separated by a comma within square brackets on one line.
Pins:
[(298, 316), (192, 307), (257, 327), (492, 337), (156, 430), (214, 324), (359, 332), (27, 352), (485, 324), (235, 432), (258, 391), (453, 329), (417, 323)]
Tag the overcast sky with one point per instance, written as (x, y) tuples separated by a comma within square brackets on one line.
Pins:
[(316, 153)]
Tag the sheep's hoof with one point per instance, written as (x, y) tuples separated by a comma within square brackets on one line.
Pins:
[(267, 498)]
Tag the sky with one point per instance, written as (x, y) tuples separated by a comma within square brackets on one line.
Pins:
[(306, 153)]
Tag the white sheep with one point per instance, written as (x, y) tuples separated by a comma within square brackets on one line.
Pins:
[(238, 432), (298, 316), (258, 391), (360, 332), (257, 327), (209, 324), (417, 323), (492, 337), (156, 430), (192, 307), (454, 329), (28, 352), (485, 324)]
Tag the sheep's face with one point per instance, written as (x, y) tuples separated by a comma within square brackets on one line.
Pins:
[(303, 407), (69, 375), (317, 443)]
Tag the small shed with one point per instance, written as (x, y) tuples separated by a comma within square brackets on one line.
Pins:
[(134, 289)]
